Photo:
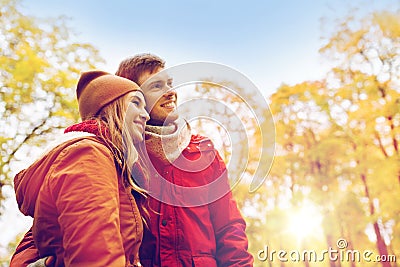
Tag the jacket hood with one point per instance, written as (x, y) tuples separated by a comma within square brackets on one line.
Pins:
[(27, 183)]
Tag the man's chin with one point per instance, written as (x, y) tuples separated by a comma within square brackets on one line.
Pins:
[(169, 119), (173, 116)]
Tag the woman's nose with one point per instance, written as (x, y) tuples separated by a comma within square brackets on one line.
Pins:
[(144, 115)]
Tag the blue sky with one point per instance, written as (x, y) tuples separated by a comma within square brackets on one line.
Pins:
[(271, 42)]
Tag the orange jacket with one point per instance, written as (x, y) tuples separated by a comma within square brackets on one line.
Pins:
[(82, 212)]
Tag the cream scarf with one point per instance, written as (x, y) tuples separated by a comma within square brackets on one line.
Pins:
[(167, 142)]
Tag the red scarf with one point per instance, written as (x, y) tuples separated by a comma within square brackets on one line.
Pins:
[(89, 126)]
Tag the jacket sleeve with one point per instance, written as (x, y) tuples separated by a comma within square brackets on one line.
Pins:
[(84, 187), (26, 252), (229, 225)]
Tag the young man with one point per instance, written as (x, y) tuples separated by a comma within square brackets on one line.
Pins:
[(207, 235)]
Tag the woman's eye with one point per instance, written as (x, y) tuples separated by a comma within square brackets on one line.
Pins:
[(136, 103)]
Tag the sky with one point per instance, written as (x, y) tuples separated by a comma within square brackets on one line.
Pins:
[(271, 41)]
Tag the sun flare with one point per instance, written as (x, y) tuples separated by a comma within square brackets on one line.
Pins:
[(305, 221)]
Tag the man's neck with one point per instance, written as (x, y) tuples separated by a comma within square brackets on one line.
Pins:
[(155, 123), (161, 123)]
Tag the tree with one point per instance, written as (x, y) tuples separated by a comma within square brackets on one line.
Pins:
[(366, 93), (40, 66), (337, 139)]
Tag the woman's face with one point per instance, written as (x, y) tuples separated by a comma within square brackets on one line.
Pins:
[(136, 115)]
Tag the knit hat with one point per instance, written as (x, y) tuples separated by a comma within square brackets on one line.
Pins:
[(97, 88)]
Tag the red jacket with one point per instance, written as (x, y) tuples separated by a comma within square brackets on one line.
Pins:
[(207, 235)]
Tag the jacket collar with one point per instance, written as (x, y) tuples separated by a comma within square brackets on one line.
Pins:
[(166, 143)]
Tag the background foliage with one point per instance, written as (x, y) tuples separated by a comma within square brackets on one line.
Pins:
[(40, 64), (336, 172)]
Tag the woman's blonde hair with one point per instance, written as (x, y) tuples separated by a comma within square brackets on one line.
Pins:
[(126, 152)]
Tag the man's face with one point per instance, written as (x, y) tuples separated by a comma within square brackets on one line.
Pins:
[(161, 101)]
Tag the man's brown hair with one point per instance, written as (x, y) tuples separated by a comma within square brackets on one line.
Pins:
[(133, 67)]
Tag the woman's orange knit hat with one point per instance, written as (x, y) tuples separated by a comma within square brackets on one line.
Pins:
[(97, 88)]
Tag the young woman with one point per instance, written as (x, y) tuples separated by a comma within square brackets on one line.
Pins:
[(81, 194)]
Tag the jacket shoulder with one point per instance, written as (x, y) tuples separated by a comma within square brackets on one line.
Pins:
[(81, 143), (88, 147), (28, 182), (86, 142)]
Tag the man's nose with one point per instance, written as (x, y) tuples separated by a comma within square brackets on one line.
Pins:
[(171, 92)]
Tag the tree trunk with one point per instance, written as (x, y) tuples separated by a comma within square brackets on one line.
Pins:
[(303, 247), (392, 252), (330, 245), (352, 262), (380, 243)]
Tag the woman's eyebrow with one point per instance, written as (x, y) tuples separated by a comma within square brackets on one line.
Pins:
[(135, 97)]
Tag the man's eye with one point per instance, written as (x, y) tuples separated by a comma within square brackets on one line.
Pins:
[(158, 85)]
